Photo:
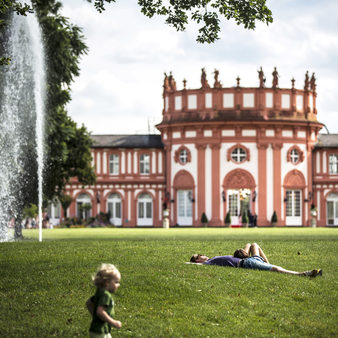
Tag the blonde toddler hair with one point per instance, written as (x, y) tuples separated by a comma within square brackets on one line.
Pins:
[(105, 273)]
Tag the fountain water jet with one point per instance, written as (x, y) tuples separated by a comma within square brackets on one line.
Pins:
[(21, 121)]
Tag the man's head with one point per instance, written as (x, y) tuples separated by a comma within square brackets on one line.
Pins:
[(241, 253), (197, 258)]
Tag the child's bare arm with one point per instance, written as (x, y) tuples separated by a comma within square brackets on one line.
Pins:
[(90, 306), (103, 315)]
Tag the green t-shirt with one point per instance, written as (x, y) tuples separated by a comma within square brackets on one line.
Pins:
[(103, 298)]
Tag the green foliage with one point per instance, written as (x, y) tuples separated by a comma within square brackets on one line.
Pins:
[(68, 146), (30, 211), (274, 218), (227, 218), (204, 218), (208, 14), (65, 201), (161, 297)]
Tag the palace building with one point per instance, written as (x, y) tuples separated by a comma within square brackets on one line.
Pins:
[(236, 150)]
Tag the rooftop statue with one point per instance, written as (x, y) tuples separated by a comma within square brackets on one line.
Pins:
[(261, 78), (166, 82), (275, 78), (204, 80), (172, 82), (217, 83), (313, 82), (306, 82)]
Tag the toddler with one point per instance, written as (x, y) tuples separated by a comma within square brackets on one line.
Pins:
[(101, 305)]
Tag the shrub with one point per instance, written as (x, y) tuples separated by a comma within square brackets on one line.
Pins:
[(227, 218), (204, 218), (274, 218)]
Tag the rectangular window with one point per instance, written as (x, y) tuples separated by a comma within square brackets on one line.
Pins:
[(248, 100), (286, 101), (228, 100), (233, 204), (299, 102), (144, 164), (293, 204), (333, 163), (311, 102), (148, 209), (114, 164), (208, 100), (192, 101), (330, 218), (166, 103), (178, 102), (141, 210), (269, 100)]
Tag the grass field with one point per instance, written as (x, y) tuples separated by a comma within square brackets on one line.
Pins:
[(44, 286)]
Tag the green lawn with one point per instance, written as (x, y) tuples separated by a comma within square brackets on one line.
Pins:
[(44, 286)]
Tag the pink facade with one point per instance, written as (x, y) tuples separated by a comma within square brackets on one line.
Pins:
[(221, 150)]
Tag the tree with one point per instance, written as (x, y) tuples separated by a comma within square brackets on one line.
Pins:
[(206, 13), (68, 146), (65, 201)]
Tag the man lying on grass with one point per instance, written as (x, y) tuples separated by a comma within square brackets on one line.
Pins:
[(250, 257)]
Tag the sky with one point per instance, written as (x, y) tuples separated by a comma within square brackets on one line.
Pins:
[(119, 90)]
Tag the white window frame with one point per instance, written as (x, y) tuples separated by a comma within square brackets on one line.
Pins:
[(294, 156), (238, 155), (114, 164), (144, 164), (333, 164)]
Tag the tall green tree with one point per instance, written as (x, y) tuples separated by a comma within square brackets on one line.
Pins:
[(68, 146)]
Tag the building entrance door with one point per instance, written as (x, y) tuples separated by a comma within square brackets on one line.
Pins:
[(114, 208), (145, 210), (239, 203), (184, 207), (293, 207), (332, 209)]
